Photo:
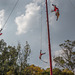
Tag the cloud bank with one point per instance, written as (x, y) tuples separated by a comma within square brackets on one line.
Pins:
[(26, 21)]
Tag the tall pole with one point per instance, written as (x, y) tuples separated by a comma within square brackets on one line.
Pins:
[(49, 39)]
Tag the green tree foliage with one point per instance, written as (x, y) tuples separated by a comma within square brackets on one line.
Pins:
[(26, 54), (9, 56), (67, 72), (57, 71), (67, 59), (46, 72), (10, 73), (23, 55), (33, 70), (13, 61)]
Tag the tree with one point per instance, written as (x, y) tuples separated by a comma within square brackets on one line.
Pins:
[(10, 73), (8, 57), (26, 54), (33, 70), (46, 72), (67, 72), (67, 58), (57, 71), (23, 56)]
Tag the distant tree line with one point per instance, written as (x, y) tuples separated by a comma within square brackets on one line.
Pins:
[(67, 58), (13, 60)]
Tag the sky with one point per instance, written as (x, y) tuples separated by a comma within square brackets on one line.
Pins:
[(28, 23)]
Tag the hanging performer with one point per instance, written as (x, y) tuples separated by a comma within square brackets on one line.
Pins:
[(0, 31), (56, 10), (41, 56)]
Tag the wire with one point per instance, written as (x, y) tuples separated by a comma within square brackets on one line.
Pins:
[(43, 61), (10, 14), (41, 24)]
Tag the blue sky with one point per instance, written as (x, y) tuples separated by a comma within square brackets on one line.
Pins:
[(25, 23)]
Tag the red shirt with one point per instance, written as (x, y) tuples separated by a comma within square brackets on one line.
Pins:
[(0, 33), (55, 8), (40, 55)]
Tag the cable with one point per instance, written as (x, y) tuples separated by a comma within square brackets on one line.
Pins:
[(10, 14), (41, 24), (41, 41), (43, 61)]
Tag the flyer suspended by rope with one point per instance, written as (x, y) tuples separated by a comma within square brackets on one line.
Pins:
[(56, 10), (40, 57)]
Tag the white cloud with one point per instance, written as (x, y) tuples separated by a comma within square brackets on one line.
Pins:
[(1, 17), (26, 21), (58, 53)]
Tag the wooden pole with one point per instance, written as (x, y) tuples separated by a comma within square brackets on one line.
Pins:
[(49, 39)]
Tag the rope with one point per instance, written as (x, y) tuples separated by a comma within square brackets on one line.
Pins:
[(10, 14), (41, 24), (41, 30), (43, 61)]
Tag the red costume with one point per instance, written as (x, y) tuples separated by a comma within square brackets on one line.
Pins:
[(0, 33), (41, 54), (56, 10)]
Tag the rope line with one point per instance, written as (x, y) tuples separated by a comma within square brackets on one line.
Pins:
[(10, 14), (41, 24), (41, 19), (44, 61)]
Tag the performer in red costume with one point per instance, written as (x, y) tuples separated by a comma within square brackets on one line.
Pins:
[(56, 10), (41, 54)]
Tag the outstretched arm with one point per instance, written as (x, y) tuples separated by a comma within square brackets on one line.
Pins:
[(54, 7), (43, 53)]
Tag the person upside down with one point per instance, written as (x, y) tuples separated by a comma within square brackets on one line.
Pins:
[(41, 54), (56, 10)]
